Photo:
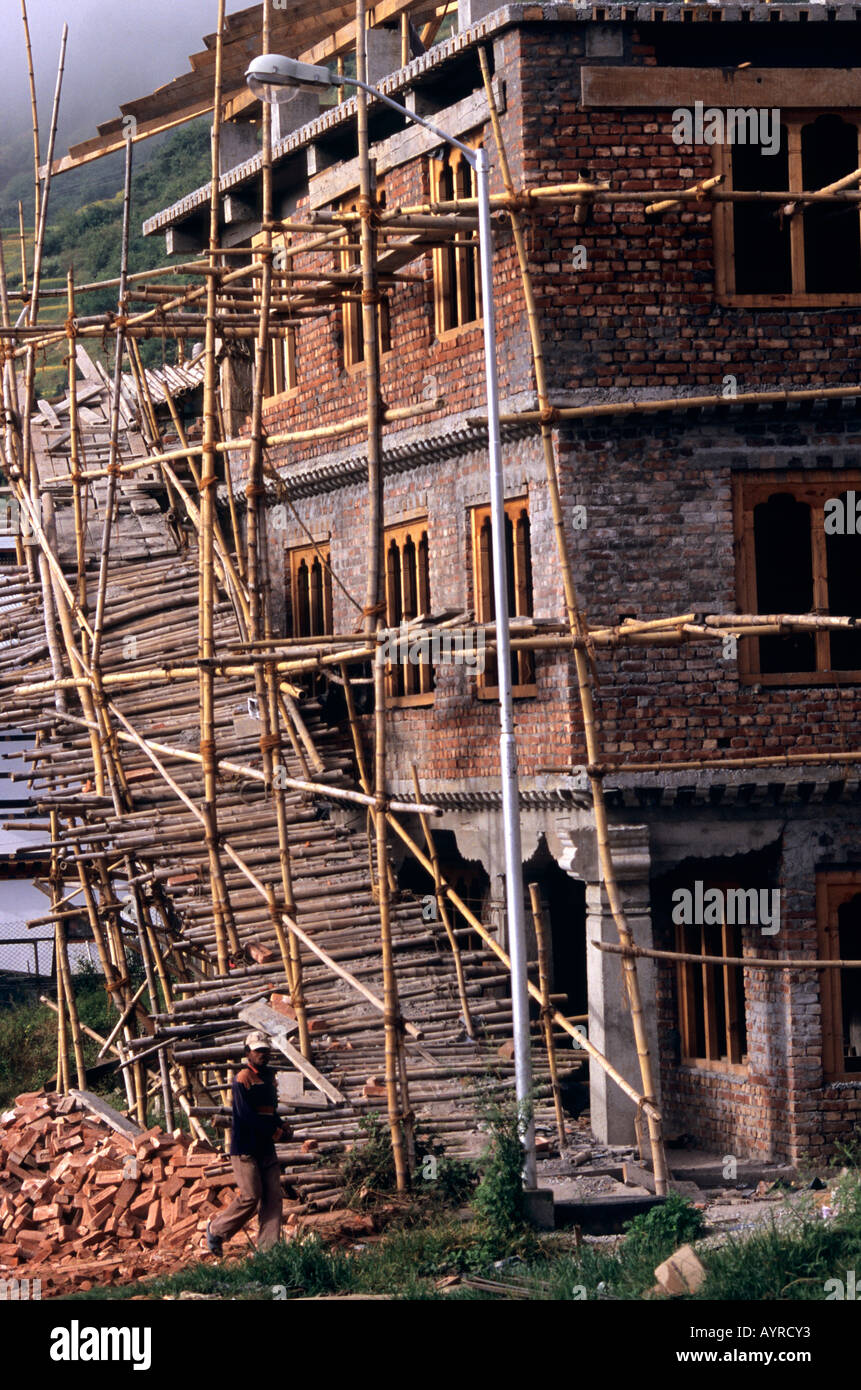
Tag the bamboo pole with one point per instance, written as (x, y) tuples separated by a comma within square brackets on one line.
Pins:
[(584, 676), (22, 243), (64, 974), (90, 1032), (400, 1118), (62, 1030), (350, 426), (442, 908), (123, 1019), (71, 1005), (670, 204), (753, 962), (559, 414), (225, 927), (37, 182), (547, 1007), (265, 679)]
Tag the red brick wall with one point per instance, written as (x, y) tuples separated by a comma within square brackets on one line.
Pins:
[(659, 541), (457, 736), (642, 313)]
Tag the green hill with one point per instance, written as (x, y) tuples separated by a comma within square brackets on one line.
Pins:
[(87, 237)]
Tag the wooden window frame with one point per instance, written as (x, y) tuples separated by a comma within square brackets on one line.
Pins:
[(731, 1059), (416, 533), (724, 232), (814, 488), (483, 588), (450, 300), (294, 557), (833, 888), (281, 381), (351, 309)]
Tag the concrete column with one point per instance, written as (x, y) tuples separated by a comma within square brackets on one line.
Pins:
[(384, 54), (471, 11), (610, 1025), (237, 144), (291, 115)]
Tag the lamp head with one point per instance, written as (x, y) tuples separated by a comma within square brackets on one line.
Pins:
[(272, 77)]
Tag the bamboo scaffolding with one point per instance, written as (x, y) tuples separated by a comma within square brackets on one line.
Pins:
[(280, 864)]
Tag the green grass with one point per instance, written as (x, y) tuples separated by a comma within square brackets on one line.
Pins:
[(28, 1037), (792, 1261)]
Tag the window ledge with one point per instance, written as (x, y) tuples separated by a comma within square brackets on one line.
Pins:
[(518, 692), (699, 1065), (409, 701), (445, 335), (801, 678), (787, 301), (270, 401)]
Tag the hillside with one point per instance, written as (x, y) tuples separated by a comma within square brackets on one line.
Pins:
[(87, 237)]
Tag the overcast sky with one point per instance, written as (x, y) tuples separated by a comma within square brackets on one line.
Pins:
[(117, 50)]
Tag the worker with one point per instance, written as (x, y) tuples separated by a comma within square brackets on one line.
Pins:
[(254, 1132)]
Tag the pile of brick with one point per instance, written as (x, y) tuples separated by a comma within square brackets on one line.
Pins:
[(83, 1205)]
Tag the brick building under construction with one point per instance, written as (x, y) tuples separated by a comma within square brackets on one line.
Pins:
[(695, 394)]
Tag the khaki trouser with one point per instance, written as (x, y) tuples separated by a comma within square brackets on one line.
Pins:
[(259, 1182)]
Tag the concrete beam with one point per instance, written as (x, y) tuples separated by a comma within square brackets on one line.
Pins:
[(179, 243), (237, 210)]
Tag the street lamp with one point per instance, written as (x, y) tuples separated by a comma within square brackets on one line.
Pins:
[(270, 77)]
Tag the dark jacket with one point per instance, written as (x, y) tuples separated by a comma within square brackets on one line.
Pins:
[(255, 1113)]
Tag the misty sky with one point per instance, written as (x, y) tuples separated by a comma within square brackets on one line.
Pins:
[(117, 50)]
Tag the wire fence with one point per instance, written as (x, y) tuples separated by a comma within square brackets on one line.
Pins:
[(34, 956)]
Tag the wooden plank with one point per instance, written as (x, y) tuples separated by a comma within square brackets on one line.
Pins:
[(265, 1018), (191, 94), (785, 88), (96, 1106), (345, 37), (277, 1031)]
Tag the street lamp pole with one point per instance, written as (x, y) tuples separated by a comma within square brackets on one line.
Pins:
[(507, 738), (265, 76)]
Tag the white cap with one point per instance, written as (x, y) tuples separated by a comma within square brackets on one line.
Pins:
[(256, 1042)]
